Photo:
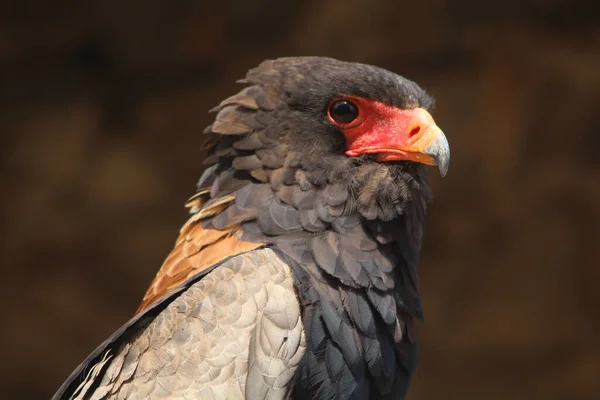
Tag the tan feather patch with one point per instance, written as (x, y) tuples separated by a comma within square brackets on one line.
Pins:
[(195, 202), (196, 249)]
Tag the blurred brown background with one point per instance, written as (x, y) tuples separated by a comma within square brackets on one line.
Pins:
[(102, 105)]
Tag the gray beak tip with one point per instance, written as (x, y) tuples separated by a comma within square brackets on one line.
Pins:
[(440, 151)]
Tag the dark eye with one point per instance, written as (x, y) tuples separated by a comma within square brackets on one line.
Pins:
[(343, 111)]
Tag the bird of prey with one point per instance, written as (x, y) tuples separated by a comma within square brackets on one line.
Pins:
[(296, 275)]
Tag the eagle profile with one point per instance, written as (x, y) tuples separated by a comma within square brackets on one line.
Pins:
[(296, 275)]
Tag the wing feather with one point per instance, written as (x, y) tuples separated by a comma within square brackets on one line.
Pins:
[(197, 248)]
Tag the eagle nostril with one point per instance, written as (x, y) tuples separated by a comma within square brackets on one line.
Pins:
[(414, 131)]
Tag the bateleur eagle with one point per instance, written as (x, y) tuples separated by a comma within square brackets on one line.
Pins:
[(296, 275)]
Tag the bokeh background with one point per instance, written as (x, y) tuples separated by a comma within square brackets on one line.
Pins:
[(102, 104)]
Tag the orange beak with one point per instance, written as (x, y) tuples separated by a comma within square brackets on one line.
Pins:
[(402, 135)]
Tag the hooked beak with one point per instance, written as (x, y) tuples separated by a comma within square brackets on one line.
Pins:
[(438, 149), (410, 135)]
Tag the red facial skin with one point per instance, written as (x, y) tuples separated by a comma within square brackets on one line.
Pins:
[(389, 132)]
